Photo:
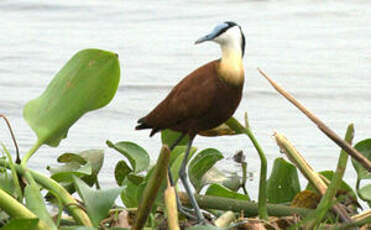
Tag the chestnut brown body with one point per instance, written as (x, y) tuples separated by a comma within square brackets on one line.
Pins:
[(201, 101)]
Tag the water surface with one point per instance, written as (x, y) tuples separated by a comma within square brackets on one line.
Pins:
[(317, 50)]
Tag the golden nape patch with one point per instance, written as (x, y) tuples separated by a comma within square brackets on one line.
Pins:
[(231, 68)]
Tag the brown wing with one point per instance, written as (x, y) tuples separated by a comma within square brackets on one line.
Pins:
[(189, 99)]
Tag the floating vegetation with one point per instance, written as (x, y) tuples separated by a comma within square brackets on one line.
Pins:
[(149, 198)]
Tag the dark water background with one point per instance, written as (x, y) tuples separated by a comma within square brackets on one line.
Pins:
[(320, 51)]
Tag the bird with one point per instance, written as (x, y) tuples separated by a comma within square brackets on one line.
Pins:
[(205, 98)]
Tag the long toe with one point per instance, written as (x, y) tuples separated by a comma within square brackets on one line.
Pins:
[(187, 212), (202, 221)]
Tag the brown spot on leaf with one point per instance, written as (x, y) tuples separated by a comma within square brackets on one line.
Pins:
[(91, 62)]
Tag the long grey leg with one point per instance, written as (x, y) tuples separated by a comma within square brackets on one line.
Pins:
[(185, 211), (177, 141), (184, 179)]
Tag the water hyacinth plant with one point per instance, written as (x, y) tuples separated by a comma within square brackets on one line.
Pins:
[(144, 197)]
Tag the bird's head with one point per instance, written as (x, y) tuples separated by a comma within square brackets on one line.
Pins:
[(228, 34)]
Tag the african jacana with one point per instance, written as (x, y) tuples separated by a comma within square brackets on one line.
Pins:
[(205, 98)]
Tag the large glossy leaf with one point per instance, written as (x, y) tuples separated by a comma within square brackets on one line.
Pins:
[(283, 184), (201, 163), (138, 157), (21, 224), (35, 202), (169, 137), (97, 202), (220, 190), (364, 147), (87, 82)]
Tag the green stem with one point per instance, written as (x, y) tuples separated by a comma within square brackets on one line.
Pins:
[(17, 186), (73, 207), (244, 177), (238, 128), (17, 211), (28, 155), (328, 198), (151, 189), (248, 207)]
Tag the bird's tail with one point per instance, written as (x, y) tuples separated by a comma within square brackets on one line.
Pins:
[(142, 124)]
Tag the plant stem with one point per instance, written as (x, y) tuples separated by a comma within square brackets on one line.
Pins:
[(17, 186), (249, 208), (322, 126), (327, 199), (171, 207), (34, 148), (262, 199), (17, 211), (13, 137), (225, 220), (151, 189), (351, 225), (313, 177), (73, 207)]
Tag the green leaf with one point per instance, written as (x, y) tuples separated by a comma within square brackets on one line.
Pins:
[(6, 183), (66, 172), (35, 202), (87, 82), (95, 157), (71, 157), (283, 184), (201, 163), (365, 194), (88, 228), (168, 137), (138, 157), (220, 190), (343, 186), (364, 147), (179, 150), (75, 166), (97, 202), (129, 194), (121, 171), (136, 179), (77, 228), (21, 224), (85, 163), (177, 163)]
